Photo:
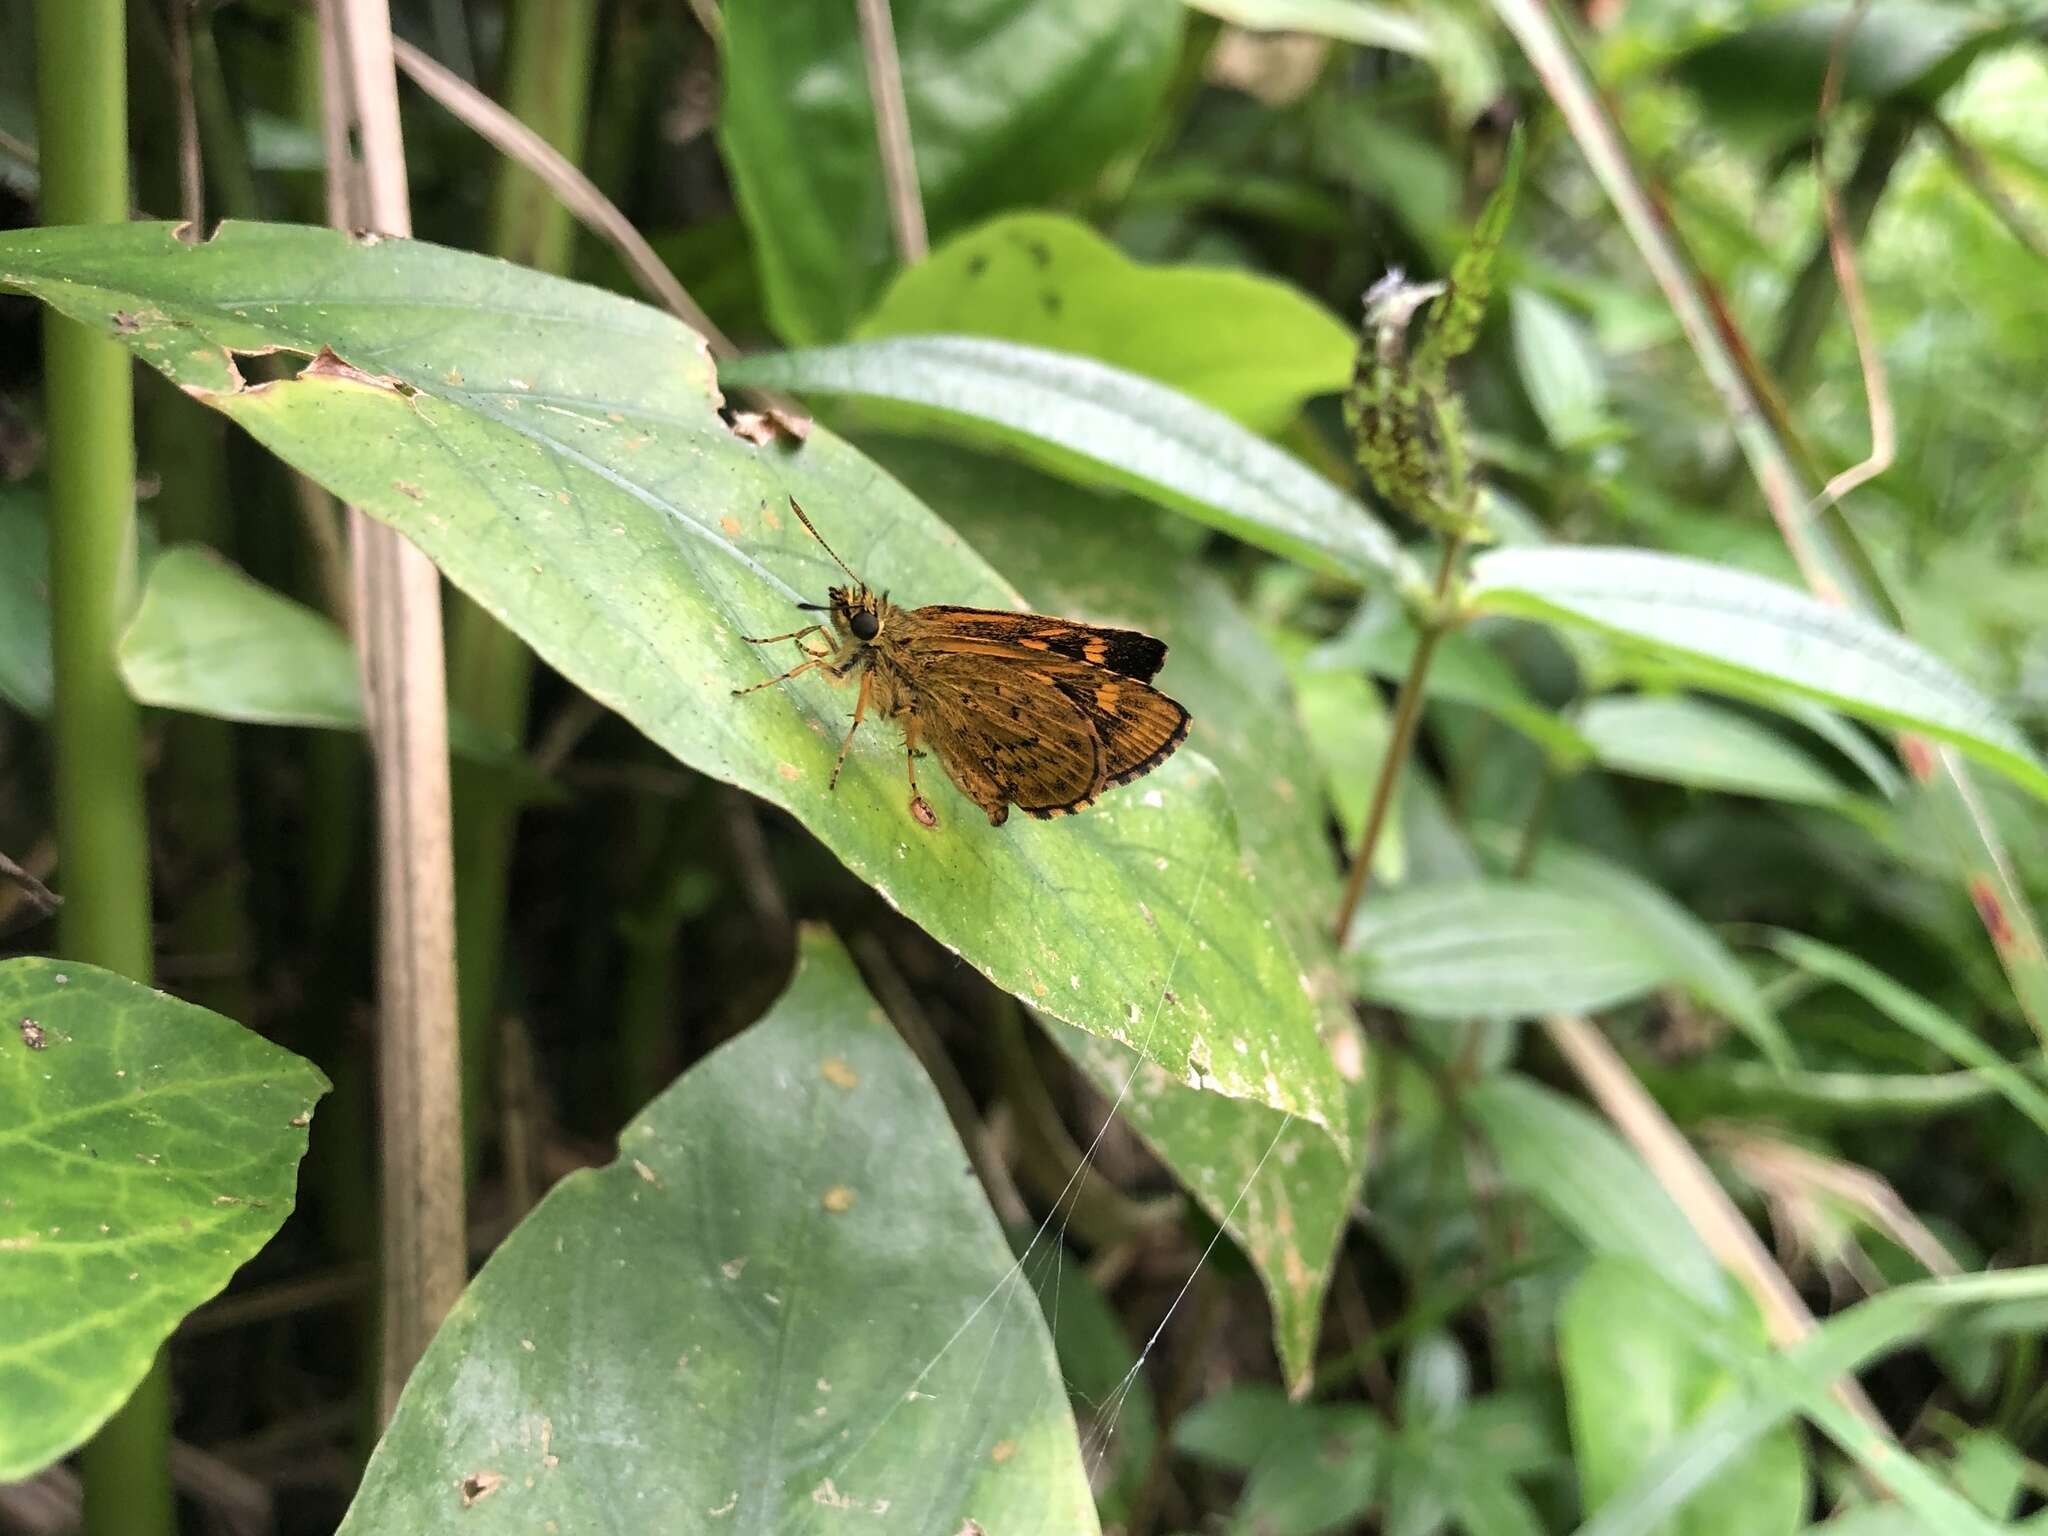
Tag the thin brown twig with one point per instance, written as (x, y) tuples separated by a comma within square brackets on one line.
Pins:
[(1687, 1180), (1407, 716), (892, 131), (577, 192), (1842, 252), (191, 169), (27, 885)]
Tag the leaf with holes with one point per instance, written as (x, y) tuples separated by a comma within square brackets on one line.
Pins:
[(1736, 633), (557, 452), (786, 1306), (148, 1149)]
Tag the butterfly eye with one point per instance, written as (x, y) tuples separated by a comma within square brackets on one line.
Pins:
[(865, 624)]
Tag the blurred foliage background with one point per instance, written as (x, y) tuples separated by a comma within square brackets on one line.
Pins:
[(1760, 906)]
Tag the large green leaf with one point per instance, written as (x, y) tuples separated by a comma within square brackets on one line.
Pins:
[(1682, 740), (1633, 1383), (1278, 1185), (25, 678), (1098, 423), (148, 1148), (786, 1306), (1245, 344), (1561, 369), (1010, 102), (1497, 949), (555, 450), (1569, 1162), (1728, 630)]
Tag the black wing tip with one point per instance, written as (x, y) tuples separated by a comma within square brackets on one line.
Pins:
[(1132, 653), (1166, 749)]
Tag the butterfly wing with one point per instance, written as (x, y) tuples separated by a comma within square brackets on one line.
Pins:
[(1137, 724), (1007, 734), (1126, 652)]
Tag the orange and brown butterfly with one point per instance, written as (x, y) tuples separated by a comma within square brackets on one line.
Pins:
[(1021, 709)]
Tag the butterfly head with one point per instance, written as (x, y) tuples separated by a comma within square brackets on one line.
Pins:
[(858, 613)]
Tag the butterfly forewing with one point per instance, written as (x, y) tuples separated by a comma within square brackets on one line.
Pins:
[(1127, 652)]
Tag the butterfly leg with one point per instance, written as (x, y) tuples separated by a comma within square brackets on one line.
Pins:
[(860, 707), (795, 634), (801, 667)]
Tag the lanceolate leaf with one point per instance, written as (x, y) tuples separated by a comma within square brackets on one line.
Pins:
[(1098, 423), (1244, 344), (1743, 634), (1347, 21), (786, 1306), (1009, 104), (1684, 741), (1499, 949), (555, 450), (147, 1149)]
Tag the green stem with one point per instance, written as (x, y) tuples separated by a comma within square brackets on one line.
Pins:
[(1538, 822), (102, 839), (490, 671), (1407, 716)]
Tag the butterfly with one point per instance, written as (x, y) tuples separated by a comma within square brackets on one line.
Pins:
[(1021, 709)]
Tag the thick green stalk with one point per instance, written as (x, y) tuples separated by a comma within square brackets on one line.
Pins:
[(103, 843), (547, 86)]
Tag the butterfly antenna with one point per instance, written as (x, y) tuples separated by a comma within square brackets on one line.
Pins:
[(813, 532)]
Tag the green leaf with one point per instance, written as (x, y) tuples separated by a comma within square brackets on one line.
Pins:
[(786, 1306), (25, 676), (1347, 21), (1776, 1386), (1279, 1186), (1110, 1395), (1464, 670), (1747, 1088), (1011, 105), (1452, 324), (1737, 633), (1911, 1011), (1634, 1382), (148, 1149), (1680, 740), (1092, 422), (1698, 960), (1497, 949), (1246, 345), (1561, 369), (555, 451), (208, 640), (1570, 1163)]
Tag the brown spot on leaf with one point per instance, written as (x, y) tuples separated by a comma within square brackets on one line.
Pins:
[(1991, 911), (789, 771), (838, 1200), (407, 488), (478, 1486), (921, 810), (32, 1035), (731, 525), (1919, 755), (126, 323), (329, 364), (1002, 1451), (838, 1073)]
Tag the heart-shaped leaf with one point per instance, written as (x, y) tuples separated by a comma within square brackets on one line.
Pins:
[(556, 451), (148, 1148), (785, 1307)]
